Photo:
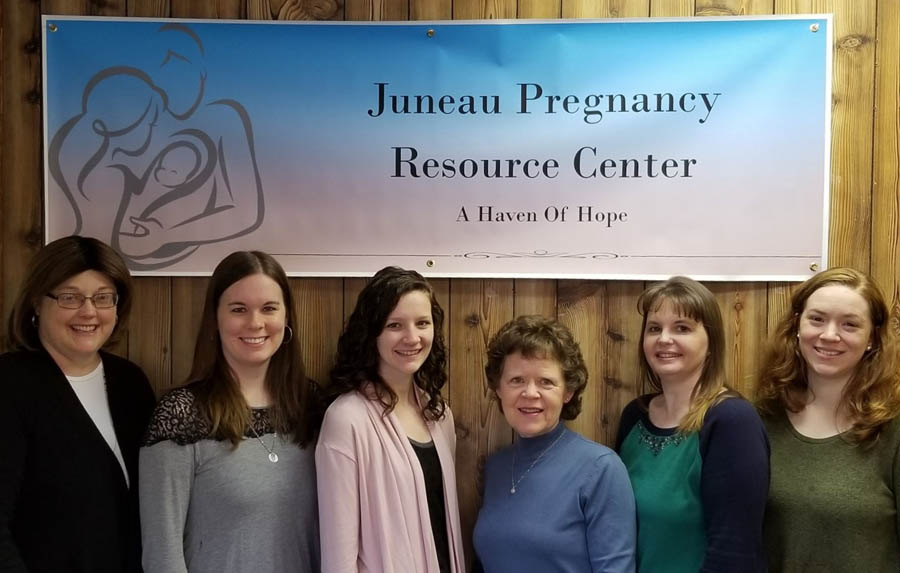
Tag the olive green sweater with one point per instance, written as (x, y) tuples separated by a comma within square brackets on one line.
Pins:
[(833, 506)]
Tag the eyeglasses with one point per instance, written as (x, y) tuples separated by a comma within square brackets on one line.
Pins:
[(74, 300)]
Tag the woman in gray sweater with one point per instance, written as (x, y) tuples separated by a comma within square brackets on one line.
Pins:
[(228, 480)]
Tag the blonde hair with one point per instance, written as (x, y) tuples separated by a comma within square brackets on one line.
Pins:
[(691, 299)]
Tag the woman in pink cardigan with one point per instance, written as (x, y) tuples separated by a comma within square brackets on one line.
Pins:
[(385, 457)]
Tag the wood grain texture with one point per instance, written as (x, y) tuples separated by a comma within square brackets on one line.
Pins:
[(886, 175), (733, 7), (743, 307), (376, 10), (605, 8), (188, 294), (852, 125), (83, 7), (779, 302), (544, 9), (352, 288), (483, 9), (534, 296), (149, 8), (620, 375), (478, 308), (671, 8), (20, 146), (582, 308), (321, 317), (150, 332), (230, 9), (430, 9)]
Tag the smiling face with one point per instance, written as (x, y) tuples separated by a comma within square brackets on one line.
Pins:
[(251, 317), (532, 392), (73, 336), (405, 341), (834, 332), (675, 346)]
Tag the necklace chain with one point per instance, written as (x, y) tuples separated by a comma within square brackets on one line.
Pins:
[(273, 457), (512, 477)]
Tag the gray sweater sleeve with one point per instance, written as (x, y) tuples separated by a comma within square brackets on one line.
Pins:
[(166, 475), (167, 464)]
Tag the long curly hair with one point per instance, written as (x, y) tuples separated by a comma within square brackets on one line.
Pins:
[(357, 361), (545, 338), (871, 396), (294, 409), (693, 300)]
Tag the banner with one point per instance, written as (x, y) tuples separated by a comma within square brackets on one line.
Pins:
[(566, 149)]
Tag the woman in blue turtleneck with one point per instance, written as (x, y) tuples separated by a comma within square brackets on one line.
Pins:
[(554, 501)]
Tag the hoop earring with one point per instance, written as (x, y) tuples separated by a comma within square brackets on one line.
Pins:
[(290, 335), (34, 320)]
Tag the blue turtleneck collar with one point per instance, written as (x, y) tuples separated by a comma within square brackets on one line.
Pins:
[(534, 446)]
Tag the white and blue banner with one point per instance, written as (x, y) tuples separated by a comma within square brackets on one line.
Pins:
[(579, 149)]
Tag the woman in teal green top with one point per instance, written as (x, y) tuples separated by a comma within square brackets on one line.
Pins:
[(830, 397), (696, 452)]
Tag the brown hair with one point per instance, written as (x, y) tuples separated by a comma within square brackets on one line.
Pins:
[(545, 338), (871, 396), (357, 358), (212, 380), (54, 264), (693, 300)]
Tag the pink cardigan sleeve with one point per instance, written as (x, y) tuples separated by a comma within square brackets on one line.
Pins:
[(338, 489)]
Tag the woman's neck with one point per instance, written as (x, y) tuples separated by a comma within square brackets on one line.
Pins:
[(825, 413), (673, 404), (252, 384)]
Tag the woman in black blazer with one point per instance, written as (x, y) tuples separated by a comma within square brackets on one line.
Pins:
[(71, 418)]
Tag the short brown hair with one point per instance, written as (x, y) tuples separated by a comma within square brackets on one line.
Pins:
[(540, 337), (51, 266)]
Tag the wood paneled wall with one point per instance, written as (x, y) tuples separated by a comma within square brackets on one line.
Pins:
[(865, 208)]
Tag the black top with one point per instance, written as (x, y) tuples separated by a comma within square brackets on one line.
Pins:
[(434, 489), (64, 503)]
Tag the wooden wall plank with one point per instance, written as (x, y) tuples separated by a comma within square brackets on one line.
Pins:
[(605, 8), (20, 145), (743, 307), (83, 7), (534, 296), (477, 309), (620, 379), (483, 9), (149, 8), (734, 7), (376, 10), (671, 8), (852, 125), (430, 9), (321, 318), (231, 9), (582, 308), (779, 302), (886, 175), (545, 9), (188, 294), (352, 288), (149, 343)]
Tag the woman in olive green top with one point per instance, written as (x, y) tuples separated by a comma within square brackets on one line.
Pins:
[(830, 395)]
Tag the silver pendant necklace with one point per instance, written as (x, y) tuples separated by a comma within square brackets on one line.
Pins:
[(512, 477), (273, 457)]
